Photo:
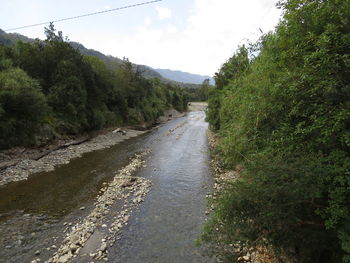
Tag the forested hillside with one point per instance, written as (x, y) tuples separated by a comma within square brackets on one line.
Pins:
[(48, 88), (184, 77), (281, 108)]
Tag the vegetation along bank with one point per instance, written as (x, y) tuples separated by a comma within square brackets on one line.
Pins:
[(282, 113), (49, 90)]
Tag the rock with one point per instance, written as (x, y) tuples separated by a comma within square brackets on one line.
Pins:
[(246, 258), (103, 247), (75, 239), (63, 259), (73, 248), (104, 225), (37, 253), (82, 208)]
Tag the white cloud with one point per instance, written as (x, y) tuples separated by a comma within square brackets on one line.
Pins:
[(163, 12), (211, 34), (171, 29), (148, 21)]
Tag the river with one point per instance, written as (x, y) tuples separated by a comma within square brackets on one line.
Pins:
[(33, 213)]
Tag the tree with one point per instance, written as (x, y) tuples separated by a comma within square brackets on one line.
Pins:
[(22, 108)]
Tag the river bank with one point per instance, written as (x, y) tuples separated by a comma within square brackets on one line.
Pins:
[(19, 163), (27, 166), (222, 177)]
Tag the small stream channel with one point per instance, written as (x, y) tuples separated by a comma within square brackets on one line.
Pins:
[(165, 227)]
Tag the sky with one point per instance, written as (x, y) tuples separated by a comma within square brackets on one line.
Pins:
[(195, 36)]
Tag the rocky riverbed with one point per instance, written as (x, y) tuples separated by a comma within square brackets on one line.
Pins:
[(124, 186), (77, 212), (82, 236), (26, 166)]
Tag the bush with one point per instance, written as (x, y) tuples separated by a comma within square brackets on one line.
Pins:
[(285, 119), (22, 108)]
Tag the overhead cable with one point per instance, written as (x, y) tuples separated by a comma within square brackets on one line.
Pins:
[(85, 15)]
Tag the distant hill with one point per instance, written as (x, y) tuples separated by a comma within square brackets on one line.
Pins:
[(11, 38), (114, 62), (184, 77)]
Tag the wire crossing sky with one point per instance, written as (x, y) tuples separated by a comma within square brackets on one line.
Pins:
[(80, 16)]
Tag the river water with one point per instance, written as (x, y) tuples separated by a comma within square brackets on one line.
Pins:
[(163, 229)]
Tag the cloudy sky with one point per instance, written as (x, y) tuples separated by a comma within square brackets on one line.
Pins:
[(196, 36)]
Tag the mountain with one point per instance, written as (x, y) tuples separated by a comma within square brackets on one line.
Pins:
[(184, 77), (11, 38), (114, 63)]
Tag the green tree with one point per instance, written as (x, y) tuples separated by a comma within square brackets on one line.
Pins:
[(22, 108)]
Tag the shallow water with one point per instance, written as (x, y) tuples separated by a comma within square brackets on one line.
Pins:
[(166, 226), (66, 188)]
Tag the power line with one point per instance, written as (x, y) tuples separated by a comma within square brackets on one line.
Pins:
[(257, 29), (80, 16)]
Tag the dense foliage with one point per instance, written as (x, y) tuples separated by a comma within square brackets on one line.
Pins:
[(282, 110), (49, 86), (199, 93)]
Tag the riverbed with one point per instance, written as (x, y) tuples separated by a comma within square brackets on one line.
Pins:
[(37, 215)]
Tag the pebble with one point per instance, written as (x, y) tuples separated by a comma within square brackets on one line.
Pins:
[(63, 259), (103, 247), (82, 208), (246, 258)]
